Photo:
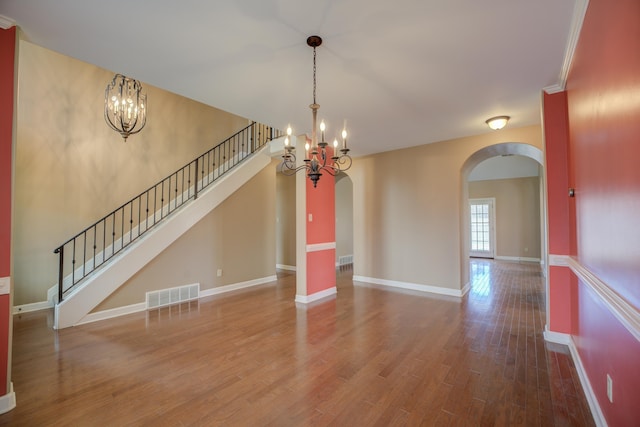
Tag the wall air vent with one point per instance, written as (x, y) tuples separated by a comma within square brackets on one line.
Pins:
[(165, 297)]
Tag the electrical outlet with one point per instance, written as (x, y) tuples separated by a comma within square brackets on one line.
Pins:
[(609, 388), (219, 272), (310, 217)]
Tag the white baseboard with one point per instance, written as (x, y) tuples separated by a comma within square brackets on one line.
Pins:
[(8, 401), (142, 306), (414, 286), (465, 289), (566, 339), (517, 259), (286, 267), (36, 306), (236, 286), (596, 412), (306, 299), (556, 337), (113, 312)]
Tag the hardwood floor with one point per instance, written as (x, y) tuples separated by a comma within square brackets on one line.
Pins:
[(369, 357)]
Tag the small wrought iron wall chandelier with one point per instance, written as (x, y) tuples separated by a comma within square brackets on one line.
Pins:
[(315, 160), (125, 106)]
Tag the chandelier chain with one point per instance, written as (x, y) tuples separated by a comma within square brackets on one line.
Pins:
[(314, 75)]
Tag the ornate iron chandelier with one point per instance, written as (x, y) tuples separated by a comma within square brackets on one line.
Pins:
[(316, 153), (125, 109)]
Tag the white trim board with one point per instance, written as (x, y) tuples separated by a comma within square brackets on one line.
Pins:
[(8, 401), (317, 247), (626, 314), (286, 267), (566, 339), (6, 23), (113, 312), (307, 299), (142, 306), (5, 285), (579, 13), (236, 286), (28, 308), (556, 337), (517, 259), (415, 286)]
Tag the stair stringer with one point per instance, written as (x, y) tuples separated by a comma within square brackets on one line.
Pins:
[(121, 268)]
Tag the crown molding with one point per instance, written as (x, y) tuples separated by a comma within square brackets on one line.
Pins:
[(579, 13), (6, 22)]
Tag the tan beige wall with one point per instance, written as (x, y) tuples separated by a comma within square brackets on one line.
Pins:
[(285, 220), (237, 237), (407, 209), (72, 169), (517, 214)]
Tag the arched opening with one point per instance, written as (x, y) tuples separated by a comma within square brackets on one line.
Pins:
[(344, 221), (497, 150)]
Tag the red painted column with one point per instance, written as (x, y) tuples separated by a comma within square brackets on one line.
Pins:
[(7, 61), (556, 136), (321, 234)]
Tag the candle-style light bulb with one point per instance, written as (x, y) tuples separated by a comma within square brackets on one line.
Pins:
[(286, 142), (289, 130), (322, 128), (344, 138), (335, 142), (306, 148)]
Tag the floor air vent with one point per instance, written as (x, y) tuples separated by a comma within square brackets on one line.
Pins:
[(345, 260), (171, 296)]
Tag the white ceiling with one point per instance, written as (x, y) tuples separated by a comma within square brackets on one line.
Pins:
[(401, 73)]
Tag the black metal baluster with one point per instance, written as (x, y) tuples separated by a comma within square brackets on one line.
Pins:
[(94, 247), (84, 253), (113, 235), (73, 263), (139, 215), (60, 252), (195, 184), (169, 197), (146, 215), (175, 197), (162, 201), (121, 229), (104, 241)]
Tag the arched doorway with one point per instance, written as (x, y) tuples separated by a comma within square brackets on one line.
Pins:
[(503, 149), (344, 220)]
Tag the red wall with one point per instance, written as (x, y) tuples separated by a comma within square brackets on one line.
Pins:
[(604, 111), (321, 265), (556, 135), (603, 99), (560, 219), (7, 57)]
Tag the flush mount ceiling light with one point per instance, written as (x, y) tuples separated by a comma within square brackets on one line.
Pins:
[(315, 159), (125, 109), (498, 122)]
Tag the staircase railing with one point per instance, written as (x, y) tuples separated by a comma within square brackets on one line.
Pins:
[(90, 249)]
